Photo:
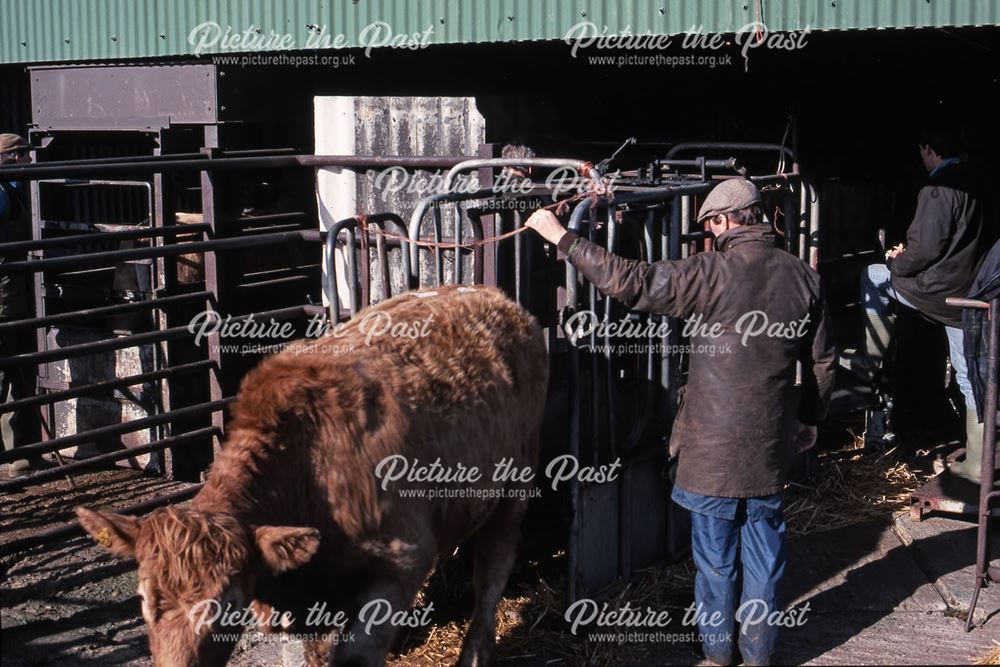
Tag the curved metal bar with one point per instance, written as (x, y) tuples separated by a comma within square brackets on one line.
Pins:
[(351, 224), (737, 146), (468, 165), (457, 258), (404, 243), (650, 196), (611, 243), (416, 219), (814, 225), (438, 257), (413, 231), (519, 259), (332, 289), (575, 222), (477, 254)]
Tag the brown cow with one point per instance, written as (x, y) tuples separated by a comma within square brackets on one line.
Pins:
[(293, 516)]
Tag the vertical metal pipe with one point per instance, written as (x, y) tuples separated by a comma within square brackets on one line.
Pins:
[(518, 259), (438, 255), (989, 458), (665, 242), (671, 355), (573, 547), (213, 274), (575, 408), (575, 222), (804, 222), (329, 249), (476, 225), (611, 238), (649, 233), (814, 226), (685, 226), (595, 397), (496, 229), (352, 269), (404, 248), (611, 386), (790, 221), (458, 244), (383, 264), (364, 268)]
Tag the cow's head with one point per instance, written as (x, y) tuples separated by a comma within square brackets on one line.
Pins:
[(196, 574)]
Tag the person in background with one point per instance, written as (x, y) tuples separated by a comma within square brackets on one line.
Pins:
[(517, 151), (944, 248), (19, 427), (741, 417)]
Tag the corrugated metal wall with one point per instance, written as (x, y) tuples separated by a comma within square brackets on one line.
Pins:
[(70, 30), (395, 126)]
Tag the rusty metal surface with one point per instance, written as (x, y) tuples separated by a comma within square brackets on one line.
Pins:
[(947, 494), (141, 97)]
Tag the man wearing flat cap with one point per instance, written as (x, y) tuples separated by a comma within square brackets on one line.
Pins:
[(742, 417), (20, 427)]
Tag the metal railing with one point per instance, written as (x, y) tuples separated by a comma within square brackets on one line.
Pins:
[(988, 495), (660, 222), (619, 404), (121, 342), (383, 255)]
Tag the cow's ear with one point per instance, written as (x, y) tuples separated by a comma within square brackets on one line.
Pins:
[(286, 548), (114, 532)]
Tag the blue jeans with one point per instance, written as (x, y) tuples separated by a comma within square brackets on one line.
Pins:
[(727, 533), (877, 293)]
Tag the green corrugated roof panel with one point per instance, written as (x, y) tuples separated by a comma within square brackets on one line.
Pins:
[(74, 30)]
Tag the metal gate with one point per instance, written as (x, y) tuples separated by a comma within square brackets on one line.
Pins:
[(165, 276), (608, 403), (611, 405)]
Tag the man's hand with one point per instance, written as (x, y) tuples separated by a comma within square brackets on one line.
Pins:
[(806, 438), (892, 252), (547, 226)]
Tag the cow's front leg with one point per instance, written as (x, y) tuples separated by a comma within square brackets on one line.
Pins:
[(369, 633)]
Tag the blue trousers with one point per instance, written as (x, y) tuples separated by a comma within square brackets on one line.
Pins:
[(876, 292), (731, 537)]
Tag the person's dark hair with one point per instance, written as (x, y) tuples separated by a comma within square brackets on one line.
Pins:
[(513, 151), (946, 140), (751, 215)]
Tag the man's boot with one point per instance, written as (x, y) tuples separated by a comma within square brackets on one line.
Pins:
[(971, 468), (879, 434)]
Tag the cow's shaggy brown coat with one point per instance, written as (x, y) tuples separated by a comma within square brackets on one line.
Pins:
[(292, 514)]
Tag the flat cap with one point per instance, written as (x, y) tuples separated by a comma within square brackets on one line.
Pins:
[(728, 196), (12, 142)]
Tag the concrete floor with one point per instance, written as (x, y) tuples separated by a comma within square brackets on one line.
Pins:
[(893, 591)]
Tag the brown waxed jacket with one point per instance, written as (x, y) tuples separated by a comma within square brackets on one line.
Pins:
[(734, 432)]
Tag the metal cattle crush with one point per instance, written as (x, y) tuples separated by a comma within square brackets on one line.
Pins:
[(610, 398)]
